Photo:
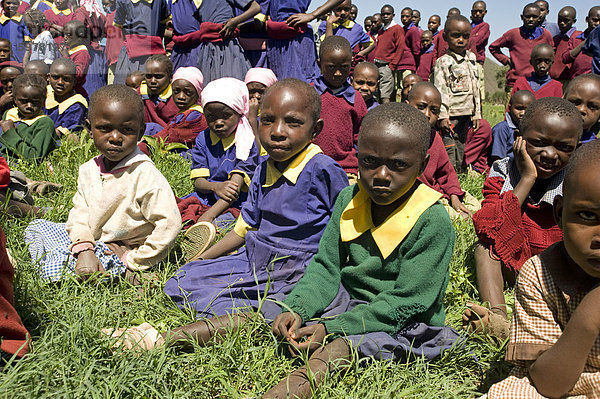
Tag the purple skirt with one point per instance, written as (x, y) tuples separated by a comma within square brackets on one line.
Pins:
[(415, 340), (231, 283), (295, 58), (184, 56), (97, 72)]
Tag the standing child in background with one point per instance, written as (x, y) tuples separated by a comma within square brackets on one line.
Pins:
[(114, 40), (407, 84), (551, 27), (441, 45), (433, 24), (66, 108), (426, 57), (456, 77), (343, 108), (390, 48), (185, 126), (480, 30), (143, 26), (416, 18), (26, 132), (554, 341), (13, 28), (504, 133), (520, 43), (42, 47), (156, 90), (76, 50), (410, 56), (57, 16), (581, 63), (124, 216), (8, 73), (539, 82), (584, 93), (365, 81), (516, 220), (567, 16)]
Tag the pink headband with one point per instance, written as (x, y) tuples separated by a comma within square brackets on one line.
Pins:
[(233, 93), (261, 75), (192, 75)]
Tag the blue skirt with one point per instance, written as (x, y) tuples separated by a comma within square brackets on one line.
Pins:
[(219, 286), (184, 56), (97, 72), (49, 249), (222, 60), (125, 66), (294, 58)]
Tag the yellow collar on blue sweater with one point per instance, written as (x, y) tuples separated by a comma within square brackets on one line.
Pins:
[(4, 19), (357, 219), (227, 141), (293, 170)]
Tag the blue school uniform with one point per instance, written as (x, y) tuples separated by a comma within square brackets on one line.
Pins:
[(592, 48), (249, 41), (186, 19), (349, 30), (14, 29), (297, 57), (503, 136), (282, 221), (214, 159), (42, 5), (68, 115)]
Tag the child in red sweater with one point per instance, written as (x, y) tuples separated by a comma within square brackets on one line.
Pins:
[(343, 108), (581, 63), (516, 220), (389, 50), (566, 18), (156, 90), (520, 42), (539, 82), (412, 49), (426, 57), (75, 38)]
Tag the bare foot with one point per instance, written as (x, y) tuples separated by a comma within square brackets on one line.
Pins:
[(481, 320)]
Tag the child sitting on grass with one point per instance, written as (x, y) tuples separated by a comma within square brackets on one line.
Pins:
[(539, 82), (516, 220), (554, 340), (584, 93), (378, 280), (365, 80), (503, 134), (26, 132), (185, 126), (124, 216)]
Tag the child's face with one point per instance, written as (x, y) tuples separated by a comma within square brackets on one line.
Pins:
[(593, 18), (578, 215), (426, 39), (457, 35), (335, 67), (517, 107), (585, 95), (108, 5), (61, 4), (353, 12), (388, 163), (10, 7), (434, 24), (343, 11), (365, 82), (221, 119), (286, 124), (387, 15), (531, 17), (407, 84), (71, 38), (62, 80), (566, 19), (550, 143), (416, 17), (184, 94), (377, 23), (543, 9), (7, 76), (478, 11), (33, 28), (542, 60), (368, 24), (115, 128), (134, 81), (29, 101), (256, 90), (157, 77), (406, 17), (428, 101), (4, 50)]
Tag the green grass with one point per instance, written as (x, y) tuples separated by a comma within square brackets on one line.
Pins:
[(70, 359)]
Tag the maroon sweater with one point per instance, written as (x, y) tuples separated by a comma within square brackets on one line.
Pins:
[(339, 136), (520, 51), (551, 89), (425, 65), (390, 45), (581, 64), (439, 173), (412, 50), (480, 35), (561, 70), (60, 20)]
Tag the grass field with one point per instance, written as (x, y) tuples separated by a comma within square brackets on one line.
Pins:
[(71, 360)]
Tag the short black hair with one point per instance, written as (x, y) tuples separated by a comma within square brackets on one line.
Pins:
[(162, 59), (427, 32), (81, 30), (32, 80), (41, 65), (368, 65), (335, 43), (545, 2), (455, 18), (67, 63), (136, 73), (580, 159), (388, 6), (37, 17), (552, 106), (403, 116), (116, 93), (425, 84), (531, 5), (570, 10), (407, 8), (454, 10), (522, 93), (538, 47), (301, 88), (579, 78), (480, 1)]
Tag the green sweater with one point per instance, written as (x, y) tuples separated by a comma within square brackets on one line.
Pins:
[(30, 142), (409, 284)]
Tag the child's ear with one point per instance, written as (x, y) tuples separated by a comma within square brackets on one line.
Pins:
[(88, 127), (557, 210), (142, 131), (318, 127), (424, 165)]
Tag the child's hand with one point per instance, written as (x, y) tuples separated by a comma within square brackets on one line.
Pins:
[(459, 207), (299, 19), (87, 264), (118, 249), (253, 110), (524, 162), (285, 324), (446, 127), (6, 98), (476, 125), (7, 125), (227, 190), (228, 28), (314, 338), (332, 19)]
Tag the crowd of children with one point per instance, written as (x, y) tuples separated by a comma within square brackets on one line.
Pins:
[(332, 151)]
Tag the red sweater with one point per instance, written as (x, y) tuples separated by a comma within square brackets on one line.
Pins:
[(561, 70), (114, 40), (581, 64), (551, 89), (339, 136), (439, 173), (81, 58), (425, 65), (515, 233), (390, 45), (183, 130), (60, 20), (520, 51), (480, 35), (478, 146), (412, 50), (4, 174)]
